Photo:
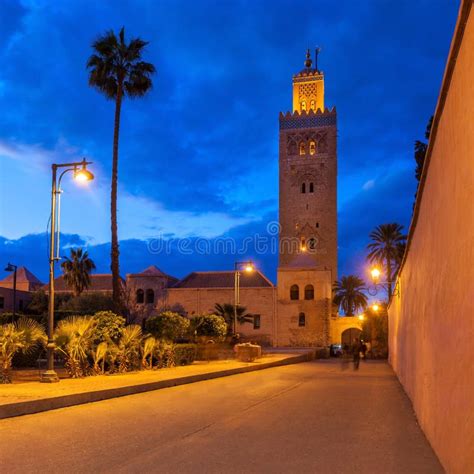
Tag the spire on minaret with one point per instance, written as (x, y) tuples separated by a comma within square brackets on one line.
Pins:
[(308, 61), (316, 52)]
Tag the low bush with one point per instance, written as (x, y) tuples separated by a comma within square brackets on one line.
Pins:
[(168, 326), (209, 326), (110, 327), (88, 303), (184, 354)]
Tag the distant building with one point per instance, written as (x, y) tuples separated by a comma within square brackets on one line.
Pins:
[(26, 284), (298, 310), (25, 280), (199, 292), (147, 290), (100, 283)]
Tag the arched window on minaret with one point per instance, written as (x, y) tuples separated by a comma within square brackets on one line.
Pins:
[(311, 187), (301, 320), (312, 147), (140, 296), (294, 292), (303, 188), (312, 105), (303, 105), (302, 148)]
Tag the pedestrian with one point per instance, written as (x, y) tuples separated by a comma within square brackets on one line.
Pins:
[(356, 348), (363, 349)]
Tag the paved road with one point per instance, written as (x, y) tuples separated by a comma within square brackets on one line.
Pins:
[(303, 418)]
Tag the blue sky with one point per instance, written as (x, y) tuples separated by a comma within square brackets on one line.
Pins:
[(199, 154)]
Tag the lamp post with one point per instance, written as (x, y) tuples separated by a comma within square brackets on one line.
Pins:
[(12, 268), (249, 268), (82, 175), (375, 274)]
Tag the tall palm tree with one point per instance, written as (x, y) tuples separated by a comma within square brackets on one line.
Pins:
[(349, 295), (116, 69), (77, 270), (385, 249), (226, 310)]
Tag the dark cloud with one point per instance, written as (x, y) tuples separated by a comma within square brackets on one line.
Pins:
[(205, 139), (177, 257)]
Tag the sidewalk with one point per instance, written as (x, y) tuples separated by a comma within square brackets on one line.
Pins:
[(34, 397)]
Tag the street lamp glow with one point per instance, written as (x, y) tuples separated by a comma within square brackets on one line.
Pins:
[(375, 307), (249, 268), (361, 317), (375, 273), (83, 175)]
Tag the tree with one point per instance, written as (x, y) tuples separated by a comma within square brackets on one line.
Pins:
[(209, 326), (227, 311), (399, 253), (21, 336), (384, 249), (349, 295), (375, 330), (109, 327), (168, 326), (420, 150), (77, 270), (116, 69)]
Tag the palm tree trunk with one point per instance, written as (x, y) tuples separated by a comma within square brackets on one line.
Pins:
[(116, 290)]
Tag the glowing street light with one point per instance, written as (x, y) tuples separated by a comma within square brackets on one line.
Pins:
[(375, 273), (375, 307), (248, 267), (81, 175), (361, 317)]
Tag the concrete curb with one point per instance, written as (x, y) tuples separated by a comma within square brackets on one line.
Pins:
[(36, 406)]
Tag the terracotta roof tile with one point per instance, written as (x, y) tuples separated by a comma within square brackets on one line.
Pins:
[(22, 274), (99, 282), (223, 280)]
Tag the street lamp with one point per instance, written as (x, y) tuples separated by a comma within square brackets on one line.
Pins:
[(375, 307), (248, 267), (375, 274), (81, 175), (12, 268)]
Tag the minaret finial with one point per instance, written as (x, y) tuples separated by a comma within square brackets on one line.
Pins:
[(316, 52), (308, 61)]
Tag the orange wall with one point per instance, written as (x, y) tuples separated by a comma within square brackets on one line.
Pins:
[(432, 320)]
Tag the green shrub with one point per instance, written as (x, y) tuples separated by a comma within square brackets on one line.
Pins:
[(184, 354), (209, 325), (168, 326), (38, 303), (88, 303), (109, 327)]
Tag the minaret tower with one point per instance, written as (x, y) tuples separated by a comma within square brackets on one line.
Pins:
[(308, 210)]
